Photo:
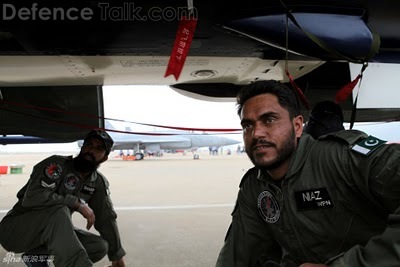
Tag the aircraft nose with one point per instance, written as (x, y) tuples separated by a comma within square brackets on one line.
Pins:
[(230, 141)]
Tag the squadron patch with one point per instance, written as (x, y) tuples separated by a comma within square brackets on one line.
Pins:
[(71, 182), (368, 145), (268, 207), (53, 171)]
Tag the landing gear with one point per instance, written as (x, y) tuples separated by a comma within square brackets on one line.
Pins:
[(139, 156)]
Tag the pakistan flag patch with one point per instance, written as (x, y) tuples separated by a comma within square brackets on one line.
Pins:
[(368, 145)]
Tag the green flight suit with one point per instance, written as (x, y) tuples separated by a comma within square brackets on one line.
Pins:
[(40, 222), (335, 206)]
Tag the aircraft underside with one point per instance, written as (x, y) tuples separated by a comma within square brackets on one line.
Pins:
[(55, 56)]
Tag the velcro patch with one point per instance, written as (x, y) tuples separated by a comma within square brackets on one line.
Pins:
[(313, 199), (368, 145), (88, 190)]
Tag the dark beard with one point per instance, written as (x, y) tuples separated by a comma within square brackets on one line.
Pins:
[(83, 165), (283, 154)]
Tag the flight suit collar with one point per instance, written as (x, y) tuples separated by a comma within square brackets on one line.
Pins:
[(301, 154), (93, 176)]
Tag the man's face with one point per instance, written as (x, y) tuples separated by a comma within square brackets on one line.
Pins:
[(269, 135), (92, 154)]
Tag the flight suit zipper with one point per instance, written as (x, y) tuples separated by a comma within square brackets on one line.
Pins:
[(289, 215)]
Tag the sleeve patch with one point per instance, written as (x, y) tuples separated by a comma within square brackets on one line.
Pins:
[(53, 171), (48, 185), (368, 145)]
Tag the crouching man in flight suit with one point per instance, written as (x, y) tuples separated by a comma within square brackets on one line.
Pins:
[(331, 202), (40, 223)]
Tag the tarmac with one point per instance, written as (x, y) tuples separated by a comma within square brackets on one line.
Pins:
[(172, 211)]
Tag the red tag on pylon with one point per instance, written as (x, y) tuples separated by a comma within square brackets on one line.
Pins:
[(346, 90), (299, 93), (181, 47)]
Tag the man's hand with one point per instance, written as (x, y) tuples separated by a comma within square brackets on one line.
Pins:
[(118, 263), (307, 264), (88, 213)]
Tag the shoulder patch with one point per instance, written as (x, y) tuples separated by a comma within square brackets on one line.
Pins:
[(53, 171), (368, 145), (348, 136), (105, 182)]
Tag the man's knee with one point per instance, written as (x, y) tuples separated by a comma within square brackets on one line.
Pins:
[(98, 250), (59, 212)]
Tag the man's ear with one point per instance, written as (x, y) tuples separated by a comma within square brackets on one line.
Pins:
[(298, 123), (104, 158)]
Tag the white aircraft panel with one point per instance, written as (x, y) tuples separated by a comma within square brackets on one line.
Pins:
[(380, 86)]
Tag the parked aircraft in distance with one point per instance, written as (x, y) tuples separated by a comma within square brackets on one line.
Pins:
[(156, 143), (55, 56)]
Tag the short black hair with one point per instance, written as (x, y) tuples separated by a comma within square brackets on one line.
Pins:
[(287, 98)]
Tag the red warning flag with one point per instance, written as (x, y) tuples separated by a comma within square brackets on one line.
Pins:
[(181, 47), (346, 90)]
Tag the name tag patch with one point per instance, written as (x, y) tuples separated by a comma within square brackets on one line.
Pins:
[(313, 199), (88, 190)]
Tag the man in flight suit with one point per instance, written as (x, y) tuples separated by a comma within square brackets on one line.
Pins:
[(326, 117), (40, 222), (332, 202)]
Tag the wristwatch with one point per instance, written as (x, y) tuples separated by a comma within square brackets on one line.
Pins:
[(81, 203)]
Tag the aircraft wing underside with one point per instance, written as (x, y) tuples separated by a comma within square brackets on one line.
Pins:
[(55, 56)]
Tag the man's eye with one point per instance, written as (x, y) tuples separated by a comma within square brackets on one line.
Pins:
[(246, 126), (269, 120)]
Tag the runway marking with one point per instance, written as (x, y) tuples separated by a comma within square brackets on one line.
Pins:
[(172, 207)]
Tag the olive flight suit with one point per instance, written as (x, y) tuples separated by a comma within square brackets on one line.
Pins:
[(338, 204), (40, 222)]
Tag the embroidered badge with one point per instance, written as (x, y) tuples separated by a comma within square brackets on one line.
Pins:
[(71, 182), (368, 145), (53, 171), (313, 199), (268, 207)]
